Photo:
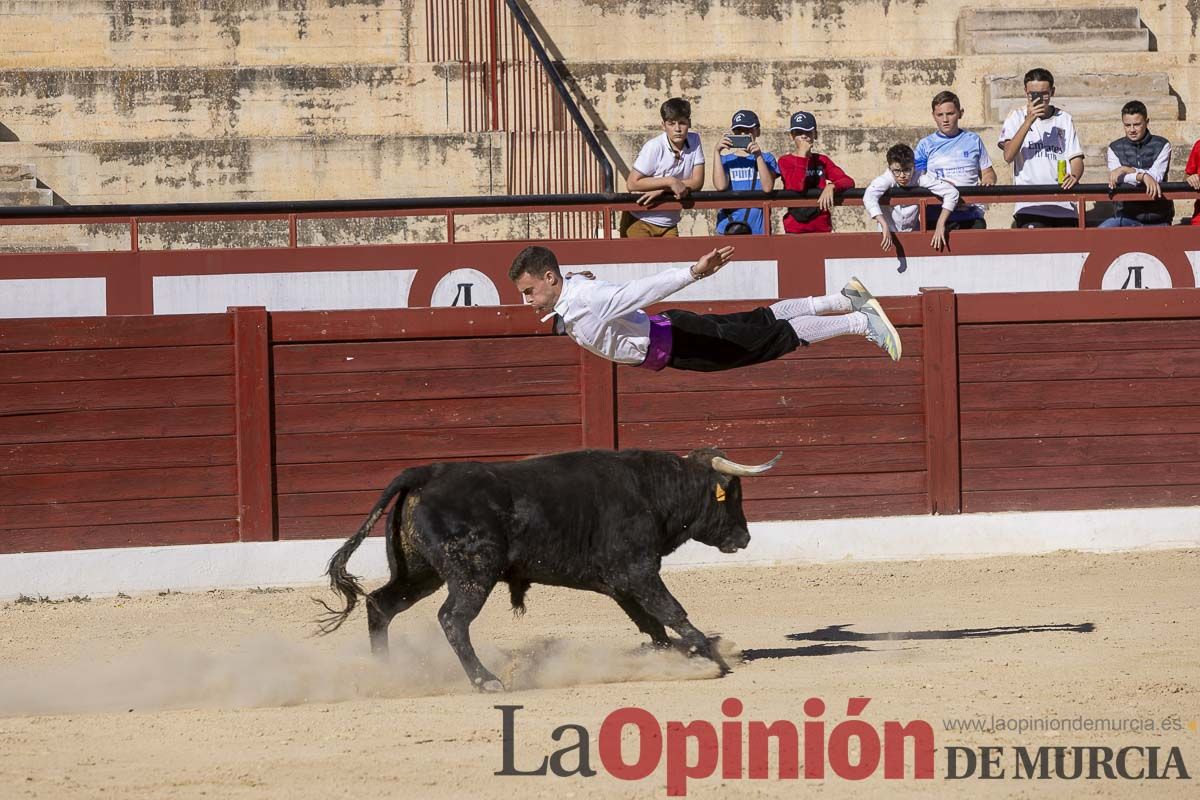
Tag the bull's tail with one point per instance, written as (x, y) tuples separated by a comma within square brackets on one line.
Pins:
[(341, 581)]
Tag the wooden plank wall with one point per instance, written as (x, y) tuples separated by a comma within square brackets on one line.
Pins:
[(117, 431), (350, 415), (1075, 415), (849, 422)]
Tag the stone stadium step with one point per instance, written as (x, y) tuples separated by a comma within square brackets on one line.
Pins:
[(18, 176), (45, 105), (1042, 18), (292, 168), (1089, 96), (1052, 30), (1094, 108), (19, 187), (26, 197), (103, 33)]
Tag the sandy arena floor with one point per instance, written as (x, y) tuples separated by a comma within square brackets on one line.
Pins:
[(222, 695)]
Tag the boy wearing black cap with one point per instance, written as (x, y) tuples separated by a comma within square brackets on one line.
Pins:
[(746, 168), (804, 170)]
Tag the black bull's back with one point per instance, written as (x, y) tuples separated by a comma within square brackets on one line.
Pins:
[(595, 520)]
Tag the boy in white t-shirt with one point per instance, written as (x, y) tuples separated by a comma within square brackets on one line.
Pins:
[(900, 174), (1035, 139), (672, 163)]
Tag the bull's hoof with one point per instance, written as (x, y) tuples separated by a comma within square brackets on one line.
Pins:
[(491, 687)]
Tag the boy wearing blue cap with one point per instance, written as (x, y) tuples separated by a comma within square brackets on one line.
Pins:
[(745, 167)]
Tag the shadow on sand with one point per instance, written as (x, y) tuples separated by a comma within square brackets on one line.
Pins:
[(837, 639)]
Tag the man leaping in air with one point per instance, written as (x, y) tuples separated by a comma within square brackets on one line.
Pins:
[(607, 318)]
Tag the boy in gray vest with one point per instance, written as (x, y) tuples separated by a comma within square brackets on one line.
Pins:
[(1139, 158)]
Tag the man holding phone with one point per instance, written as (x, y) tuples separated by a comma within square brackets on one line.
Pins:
[(744, 167), (1040, 141)]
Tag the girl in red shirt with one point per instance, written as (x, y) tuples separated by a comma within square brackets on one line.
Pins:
[(805, 170)]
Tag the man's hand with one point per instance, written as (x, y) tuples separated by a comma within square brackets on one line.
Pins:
[(724, 144), (803, 147), (1114, 177), (753, 148), (987, 177), (679, 188), (938, 242), (1153, 190), (1194, 181), (651, 197), (1034, 109), (583, 273), (825, 201), (711, 262), (1069, 181)]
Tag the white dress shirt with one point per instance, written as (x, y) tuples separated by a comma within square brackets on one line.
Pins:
[(905, 217), (607, 318)]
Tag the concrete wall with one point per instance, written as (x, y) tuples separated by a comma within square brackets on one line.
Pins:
[(754, 30), (198, 170), (201, 33), (46, 105)]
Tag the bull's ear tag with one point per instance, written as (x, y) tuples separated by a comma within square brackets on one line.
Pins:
[(720, 493)]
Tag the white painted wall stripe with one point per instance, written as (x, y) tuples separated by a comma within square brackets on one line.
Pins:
[(53, 297), (738, 280), (889, 277), (292, 563), (283, 291)]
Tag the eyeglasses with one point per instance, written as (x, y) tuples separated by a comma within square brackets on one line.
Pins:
[(905, 171)]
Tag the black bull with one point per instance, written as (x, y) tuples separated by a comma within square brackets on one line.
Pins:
[(595, 520)]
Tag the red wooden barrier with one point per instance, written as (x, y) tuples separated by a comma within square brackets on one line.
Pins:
[(118, 431)]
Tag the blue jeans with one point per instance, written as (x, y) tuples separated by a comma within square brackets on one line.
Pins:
[(1124, 222)]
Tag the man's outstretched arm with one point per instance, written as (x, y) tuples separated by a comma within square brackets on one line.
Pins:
[(653, 288)]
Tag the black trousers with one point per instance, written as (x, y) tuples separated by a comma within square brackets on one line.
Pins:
[(715, 342)]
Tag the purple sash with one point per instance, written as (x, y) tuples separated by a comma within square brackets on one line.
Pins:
[(659, 351)]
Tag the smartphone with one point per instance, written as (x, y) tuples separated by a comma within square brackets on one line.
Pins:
[(1039, 97), (740, 142)]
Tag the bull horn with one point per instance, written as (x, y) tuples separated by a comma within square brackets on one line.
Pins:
[(728, 467)]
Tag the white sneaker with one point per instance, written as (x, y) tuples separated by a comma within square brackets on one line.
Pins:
[(856, 293), (881, 331)]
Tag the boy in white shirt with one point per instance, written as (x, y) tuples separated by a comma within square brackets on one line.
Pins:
[(670, 163), (607, 318), (1035, 139), (900, 174)]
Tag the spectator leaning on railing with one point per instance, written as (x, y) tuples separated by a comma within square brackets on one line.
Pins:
[(670, 163), (1040, 141), (901, 174), (1139, 157), (957, 156), (804, 170), (746, 168)]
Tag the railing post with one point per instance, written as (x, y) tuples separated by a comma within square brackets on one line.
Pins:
[(252, 407), (598, 400), (939, 330)]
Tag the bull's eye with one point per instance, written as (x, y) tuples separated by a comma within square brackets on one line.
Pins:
[(720, 494)]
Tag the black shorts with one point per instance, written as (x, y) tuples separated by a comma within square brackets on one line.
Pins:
[(714, 342)]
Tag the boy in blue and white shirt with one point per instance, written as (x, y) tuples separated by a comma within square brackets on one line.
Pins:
[(957, 156), (743, 170)]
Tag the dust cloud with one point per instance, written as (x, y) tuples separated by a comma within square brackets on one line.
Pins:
[(271, 671)]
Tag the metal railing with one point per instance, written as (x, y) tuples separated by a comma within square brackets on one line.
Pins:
[(602, 206), (511, 85)]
